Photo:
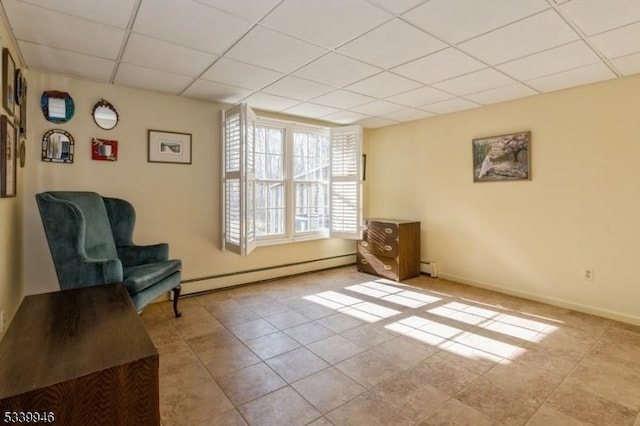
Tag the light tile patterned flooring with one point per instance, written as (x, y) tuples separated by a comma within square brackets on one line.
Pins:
[(344, 348)]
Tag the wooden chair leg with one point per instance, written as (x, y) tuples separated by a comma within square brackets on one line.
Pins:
[(176, 296)]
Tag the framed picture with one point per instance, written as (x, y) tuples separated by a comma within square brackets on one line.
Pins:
[(504, 157), (8, 82), (103, 149), (8, 148), (169, 147)]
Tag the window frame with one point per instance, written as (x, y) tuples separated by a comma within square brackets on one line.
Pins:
[(345, 175)]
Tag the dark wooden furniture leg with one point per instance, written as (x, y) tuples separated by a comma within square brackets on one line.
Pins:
[(176, 295)]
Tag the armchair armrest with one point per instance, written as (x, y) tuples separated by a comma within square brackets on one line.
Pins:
[(89, 272), (138, 255)]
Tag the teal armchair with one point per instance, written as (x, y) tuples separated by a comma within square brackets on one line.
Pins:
[(90, 239)]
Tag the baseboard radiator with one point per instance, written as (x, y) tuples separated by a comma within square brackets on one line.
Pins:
[(214, 282)]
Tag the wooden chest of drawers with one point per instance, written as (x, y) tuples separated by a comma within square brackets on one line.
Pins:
[(390, 248)]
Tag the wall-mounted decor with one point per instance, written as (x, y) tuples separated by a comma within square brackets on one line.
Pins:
[(21, 93), (103, 149), (169, 147), (22, 153), (57, 107), (105, 115), (8, 82), (8, 158), (23, 109), (504, 157), (57, 146)]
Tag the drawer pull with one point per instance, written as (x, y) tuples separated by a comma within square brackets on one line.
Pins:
[(364, 244), (388, 231), (388, 248), (387, 267), (364, 262)]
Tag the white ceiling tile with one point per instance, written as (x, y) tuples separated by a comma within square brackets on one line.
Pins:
[(270, 102), (376, 122), (270, 49), (534, 34), (146, 78), (421, 96), (397, 6), (575, 77), (501, 94), (627, 65), (408, 115), (153, 53), (234, 73), (458, 20), (593, 16), (216, 92), (190, 24), (439, 66), (451, 105), (392, 44), (297, 88), (328, 23), (251, 10), (378, 108), (383, 85), (104, 42), (342, 99), (572, 55), (336, 70), (311, 110), (620, 42), (65, 62), (113, 12), (344, 117), (475, 82)]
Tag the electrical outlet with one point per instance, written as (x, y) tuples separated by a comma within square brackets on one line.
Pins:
[(587, 274), (2, 322)]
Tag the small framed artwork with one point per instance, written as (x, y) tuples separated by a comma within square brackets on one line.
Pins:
[(504, 157), (8, 82), (8, 148), (169, 147), (104, 150)]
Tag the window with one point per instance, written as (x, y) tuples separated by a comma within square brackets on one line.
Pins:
[(287, 181)]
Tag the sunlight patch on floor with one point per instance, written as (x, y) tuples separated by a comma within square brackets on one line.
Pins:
[(486, 331)]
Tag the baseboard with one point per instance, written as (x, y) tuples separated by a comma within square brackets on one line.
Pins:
[(588, 309), (199, 285)]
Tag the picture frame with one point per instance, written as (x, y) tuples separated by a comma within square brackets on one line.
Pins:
[(8, 82), (502, 158), (8, 158), (169, 147)]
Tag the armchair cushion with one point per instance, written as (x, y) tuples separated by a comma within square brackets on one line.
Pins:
[(138, 278), (138, 255)]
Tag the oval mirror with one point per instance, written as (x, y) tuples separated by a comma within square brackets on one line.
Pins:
[(105, 115), (57, 146)]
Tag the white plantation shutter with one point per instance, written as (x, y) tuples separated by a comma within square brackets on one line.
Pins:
[(346, 182), (238, 210)]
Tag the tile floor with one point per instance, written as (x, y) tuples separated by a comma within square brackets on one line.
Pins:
[(343, 348)]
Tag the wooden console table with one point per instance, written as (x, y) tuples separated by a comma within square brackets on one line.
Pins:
[(79, 357)]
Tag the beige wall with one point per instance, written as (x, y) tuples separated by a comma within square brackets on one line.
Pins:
[(11, 282), (532, 238), (175, 203)]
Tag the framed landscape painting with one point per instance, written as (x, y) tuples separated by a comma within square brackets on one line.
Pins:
[(504, 157)]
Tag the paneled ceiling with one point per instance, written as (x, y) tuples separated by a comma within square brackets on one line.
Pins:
[(373, 62)]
